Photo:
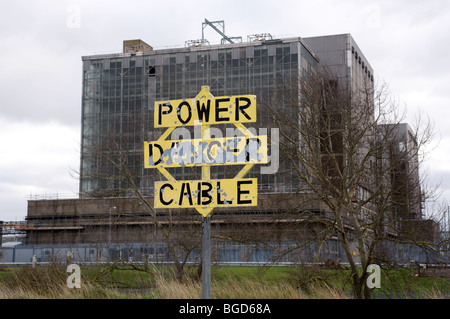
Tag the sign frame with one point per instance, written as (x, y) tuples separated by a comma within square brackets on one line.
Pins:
[(171, 114)]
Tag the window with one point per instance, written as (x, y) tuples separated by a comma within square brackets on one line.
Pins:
[(151, 71)]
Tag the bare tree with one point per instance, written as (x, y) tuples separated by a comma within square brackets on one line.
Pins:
[(115, 166), (348, 152)]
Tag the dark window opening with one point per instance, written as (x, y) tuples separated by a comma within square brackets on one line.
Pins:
[(151, 71)]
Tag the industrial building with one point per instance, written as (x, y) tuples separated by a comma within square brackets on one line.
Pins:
[(118, 99)]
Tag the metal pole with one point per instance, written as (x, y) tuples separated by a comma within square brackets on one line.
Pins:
[(206, 257), (206, 220), (110, 221)]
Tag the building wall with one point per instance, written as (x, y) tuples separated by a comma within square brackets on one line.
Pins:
[(342, 63), (87, 221), (405, 173), (275, 231), (421, 230), (341, 55), (400, 161)]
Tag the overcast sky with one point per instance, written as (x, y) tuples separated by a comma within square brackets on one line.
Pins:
[(42, 42)]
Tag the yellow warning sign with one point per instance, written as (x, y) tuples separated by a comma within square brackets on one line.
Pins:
[(206, 194)]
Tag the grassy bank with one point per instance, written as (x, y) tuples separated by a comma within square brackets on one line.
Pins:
[(125, 281)]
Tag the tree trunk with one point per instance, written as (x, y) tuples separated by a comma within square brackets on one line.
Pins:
[(179, 269)]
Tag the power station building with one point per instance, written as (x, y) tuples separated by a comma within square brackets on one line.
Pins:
[(118, 100)]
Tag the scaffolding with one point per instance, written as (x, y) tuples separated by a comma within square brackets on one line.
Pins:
[(14, 227), (259, 37)]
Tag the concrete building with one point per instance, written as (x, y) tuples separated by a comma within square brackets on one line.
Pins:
[(405, 179), (407, 197), (119, 93)]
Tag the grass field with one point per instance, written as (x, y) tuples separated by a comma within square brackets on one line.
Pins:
[(124, 281)]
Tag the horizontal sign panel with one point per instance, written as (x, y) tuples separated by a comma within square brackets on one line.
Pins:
[(210, 110), (236, 150), (206, 193)]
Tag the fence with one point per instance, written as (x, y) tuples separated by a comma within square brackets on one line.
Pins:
[(232, 253), (276, 253)]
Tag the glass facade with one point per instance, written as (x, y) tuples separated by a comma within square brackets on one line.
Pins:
[(119, 92)]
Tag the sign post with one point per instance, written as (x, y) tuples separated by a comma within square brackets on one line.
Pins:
[(206, 257), (206, 194)]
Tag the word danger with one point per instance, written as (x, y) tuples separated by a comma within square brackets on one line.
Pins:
[(198, 152), (214, 110), (209, 193)]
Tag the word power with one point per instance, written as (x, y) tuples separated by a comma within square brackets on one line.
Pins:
[(214, 110)]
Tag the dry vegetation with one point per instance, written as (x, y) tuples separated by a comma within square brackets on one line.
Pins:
[(50, 283), (122, 282)]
